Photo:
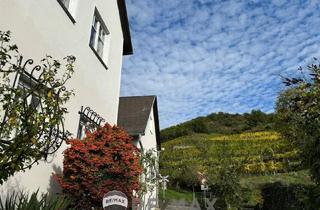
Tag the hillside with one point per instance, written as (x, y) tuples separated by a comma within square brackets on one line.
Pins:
[(257, 152), (221, 123), (262, 157)]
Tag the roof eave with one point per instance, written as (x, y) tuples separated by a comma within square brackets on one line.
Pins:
[(157, 127), (127, 44)]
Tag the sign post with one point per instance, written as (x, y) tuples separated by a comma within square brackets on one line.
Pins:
[(164, 180)]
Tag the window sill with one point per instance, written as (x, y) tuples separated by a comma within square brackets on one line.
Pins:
[(67, 12), (99, 58)]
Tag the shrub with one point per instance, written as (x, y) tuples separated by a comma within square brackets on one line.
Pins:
[(278, 196), (104, 160), (22, 201)]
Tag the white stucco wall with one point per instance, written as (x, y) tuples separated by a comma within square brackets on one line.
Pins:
[(149, 143), (41, 27), (149, 139)]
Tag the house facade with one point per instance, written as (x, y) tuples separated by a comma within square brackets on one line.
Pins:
[(97, 33), (138, 115)]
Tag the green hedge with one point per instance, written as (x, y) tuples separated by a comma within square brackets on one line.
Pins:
[(279, 196)]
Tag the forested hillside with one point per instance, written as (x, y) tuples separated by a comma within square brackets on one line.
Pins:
[(242, 152), (221, 123), (256, 153)]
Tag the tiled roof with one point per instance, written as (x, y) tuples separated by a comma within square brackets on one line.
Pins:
[(134, 112)]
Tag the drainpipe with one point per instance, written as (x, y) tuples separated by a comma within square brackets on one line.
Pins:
[(139, 140)]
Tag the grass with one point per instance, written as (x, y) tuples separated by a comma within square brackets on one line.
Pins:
[(175, 195), (253, 183)]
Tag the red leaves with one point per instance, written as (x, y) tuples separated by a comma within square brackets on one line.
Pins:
[(91, 169)]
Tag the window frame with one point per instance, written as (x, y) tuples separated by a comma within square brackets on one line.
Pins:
[(100, 36), (84, 125), (66, 10), (89, 120), (25, 83), (66, 3)]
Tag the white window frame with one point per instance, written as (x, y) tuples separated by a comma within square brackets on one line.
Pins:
[(69, 6), (100, 38), (66, 3)]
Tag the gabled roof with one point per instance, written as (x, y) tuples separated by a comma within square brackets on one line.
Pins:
[(134, 112), (127, 44)]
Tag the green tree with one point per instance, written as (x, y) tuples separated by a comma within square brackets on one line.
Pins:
[(298, 116), (225, 183), (31, 113), (224, 180)]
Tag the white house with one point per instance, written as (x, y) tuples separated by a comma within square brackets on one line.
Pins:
[(138, 115), (97, 33)]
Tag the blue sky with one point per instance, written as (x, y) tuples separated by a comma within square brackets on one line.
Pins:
[(204, 56)]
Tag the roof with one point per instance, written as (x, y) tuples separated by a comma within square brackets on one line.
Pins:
[(134, 112), (127, 44)]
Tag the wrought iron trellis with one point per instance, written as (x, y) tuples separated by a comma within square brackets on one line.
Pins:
[(31, 89), (89, 121)]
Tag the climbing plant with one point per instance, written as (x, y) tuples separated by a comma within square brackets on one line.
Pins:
[(32, 107), (149, 176)]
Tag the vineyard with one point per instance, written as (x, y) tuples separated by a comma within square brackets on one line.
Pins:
[(256, 153)]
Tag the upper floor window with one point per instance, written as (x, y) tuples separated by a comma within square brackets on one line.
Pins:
[(66, 3), (69, 7), (99, 38)]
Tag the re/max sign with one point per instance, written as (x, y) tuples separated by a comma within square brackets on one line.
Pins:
[(115, 200)]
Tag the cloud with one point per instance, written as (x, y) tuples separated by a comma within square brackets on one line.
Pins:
[(204, 56)]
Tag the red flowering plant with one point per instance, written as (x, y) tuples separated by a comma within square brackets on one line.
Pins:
[(104, 160)]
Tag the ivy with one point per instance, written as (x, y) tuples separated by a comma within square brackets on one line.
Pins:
[(149, 177)]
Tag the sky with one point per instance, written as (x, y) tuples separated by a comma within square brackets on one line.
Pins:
[(205, 56)]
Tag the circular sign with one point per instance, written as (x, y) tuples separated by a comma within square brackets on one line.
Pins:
[(115, 200)]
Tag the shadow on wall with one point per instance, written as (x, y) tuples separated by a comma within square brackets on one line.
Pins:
[(10, 187), (54, 186)]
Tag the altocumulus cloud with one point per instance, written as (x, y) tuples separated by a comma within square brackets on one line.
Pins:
[(204, 56)]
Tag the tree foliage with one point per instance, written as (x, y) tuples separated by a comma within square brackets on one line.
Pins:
[(221, 123), (278, 195), (104, 160), (31, 114), (225, 180), (298, 116), (225, 183)]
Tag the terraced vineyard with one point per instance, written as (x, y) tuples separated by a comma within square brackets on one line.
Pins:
[(258, 153)]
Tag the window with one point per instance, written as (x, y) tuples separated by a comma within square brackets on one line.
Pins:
[(99, 38), (25, 83), (89, 121), (66, 3), (84, 126), (69, 7)]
